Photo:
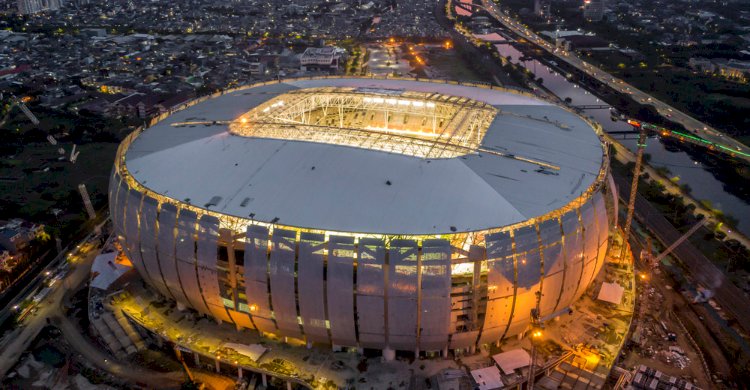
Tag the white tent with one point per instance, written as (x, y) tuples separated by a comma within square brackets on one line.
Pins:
[(487, 378), (511, 360), (611, 292), (105, 270)]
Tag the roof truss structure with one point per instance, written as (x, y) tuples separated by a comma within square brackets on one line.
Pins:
[(425, 125)]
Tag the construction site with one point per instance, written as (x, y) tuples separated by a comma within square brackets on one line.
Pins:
[(634, 319)]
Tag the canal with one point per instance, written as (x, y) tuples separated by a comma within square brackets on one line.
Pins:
[(704, 185)]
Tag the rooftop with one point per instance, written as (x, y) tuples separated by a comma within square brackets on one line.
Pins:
[(533, 158)]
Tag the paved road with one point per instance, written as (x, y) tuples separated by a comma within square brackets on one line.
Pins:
[(691, 124), (19, 339), (104, 361), (15, 343), (731, 299)]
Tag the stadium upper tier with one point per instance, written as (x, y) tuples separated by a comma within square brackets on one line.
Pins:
[(371, 156)]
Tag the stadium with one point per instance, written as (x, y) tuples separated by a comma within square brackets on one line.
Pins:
[(391, 214)]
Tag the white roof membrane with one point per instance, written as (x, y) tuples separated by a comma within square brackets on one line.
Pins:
[(342, 188)]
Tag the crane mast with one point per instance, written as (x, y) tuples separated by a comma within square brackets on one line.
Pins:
[(25, 110), (536, 333), (634, 187)]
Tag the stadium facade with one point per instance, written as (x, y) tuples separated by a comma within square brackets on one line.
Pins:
[(389, 214)]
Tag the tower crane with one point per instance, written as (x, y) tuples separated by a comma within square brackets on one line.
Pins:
[(675, 244), (17, 102), (536, 332), (188, 373), (634, 186), (14, 101)]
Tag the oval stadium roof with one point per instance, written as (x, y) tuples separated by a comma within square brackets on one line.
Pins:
[(192, 156)]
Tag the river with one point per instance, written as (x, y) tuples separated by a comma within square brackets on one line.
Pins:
[(704, 185)]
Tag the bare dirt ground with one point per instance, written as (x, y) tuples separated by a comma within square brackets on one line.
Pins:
[(662, 306)]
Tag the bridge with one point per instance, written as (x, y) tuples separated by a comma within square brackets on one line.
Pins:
[(684, 137), (471, 7), (592, 107)]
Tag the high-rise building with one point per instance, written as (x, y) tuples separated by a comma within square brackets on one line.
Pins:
[(542, 8), (26, 7), (593, 10)]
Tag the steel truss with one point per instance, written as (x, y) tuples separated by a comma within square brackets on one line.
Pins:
[(430, 125)]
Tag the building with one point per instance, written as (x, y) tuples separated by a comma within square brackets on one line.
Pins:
[(701, 64), (321, 58), (734, 69), (731, 69), (542, 8), (582, 42), (370, 213), (35, 6), (6, 261), (593, 10), (648, 378), (16, 234)]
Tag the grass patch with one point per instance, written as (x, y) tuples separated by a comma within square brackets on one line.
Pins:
[(38, 182)]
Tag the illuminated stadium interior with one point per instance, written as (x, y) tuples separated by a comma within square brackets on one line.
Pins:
[(420, 124)]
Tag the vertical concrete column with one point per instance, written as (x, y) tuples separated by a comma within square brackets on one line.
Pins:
[(264, 380), (226, 237), (239, 372), (474, 254), (197, 359), (218, 368), (288, 385), (389, 354), (445, 352)]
